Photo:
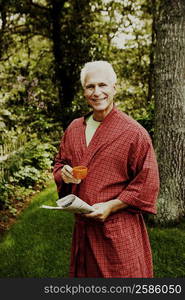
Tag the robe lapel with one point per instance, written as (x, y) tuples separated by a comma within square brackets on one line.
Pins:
[(100, 138)]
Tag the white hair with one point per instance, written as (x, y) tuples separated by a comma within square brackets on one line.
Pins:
[(98, 64)]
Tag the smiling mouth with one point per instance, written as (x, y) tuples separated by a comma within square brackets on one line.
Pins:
[(98, 100)]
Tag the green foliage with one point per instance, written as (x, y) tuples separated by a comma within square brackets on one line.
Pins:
[(6, 194), (40, 67), (27, 169), (24, 94), (27, 176), (38, 155)]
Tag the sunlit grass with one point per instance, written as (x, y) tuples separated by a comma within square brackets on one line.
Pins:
[(38, 245)]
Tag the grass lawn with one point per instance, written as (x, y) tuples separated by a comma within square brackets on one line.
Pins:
[(38, 245), (168, 247)]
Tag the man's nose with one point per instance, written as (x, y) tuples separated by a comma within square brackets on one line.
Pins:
[(97, 91)]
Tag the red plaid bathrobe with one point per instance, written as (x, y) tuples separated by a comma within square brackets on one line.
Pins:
[(121, 165)]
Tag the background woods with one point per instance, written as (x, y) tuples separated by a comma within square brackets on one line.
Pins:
[(43, 45)]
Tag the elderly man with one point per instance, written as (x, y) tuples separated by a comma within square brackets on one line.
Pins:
[(122, 183)]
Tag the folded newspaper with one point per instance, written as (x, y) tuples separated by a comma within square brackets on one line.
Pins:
[(71, 203)]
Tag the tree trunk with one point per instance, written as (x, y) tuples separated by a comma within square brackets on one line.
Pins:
[(169, 139), (56, 12), (69, 50), (3, 27), (151, 56)]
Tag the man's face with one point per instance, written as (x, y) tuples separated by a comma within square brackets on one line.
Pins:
[(99, 90)]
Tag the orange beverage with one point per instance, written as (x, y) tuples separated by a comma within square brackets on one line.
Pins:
[(80, 172)]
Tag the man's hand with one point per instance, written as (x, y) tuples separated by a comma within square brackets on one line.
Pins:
[(104, 209), (67, 175)]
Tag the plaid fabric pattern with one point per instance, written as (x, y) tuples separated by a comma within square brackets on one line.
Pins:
[(121, 165)]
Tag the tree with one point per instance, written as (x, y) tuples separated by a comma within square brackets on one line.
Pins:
[(48, 41), (67, 27), (170, 109), (71, 32)]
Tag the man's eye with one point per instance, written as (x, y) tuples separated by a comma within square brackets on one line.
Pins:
[(102, 84)]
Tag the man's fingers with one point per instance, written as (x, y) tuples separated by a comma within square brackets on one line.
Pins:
[(96, 205), (93, 214), (77, 180), (67, 174), (74, 180), (67, 171)]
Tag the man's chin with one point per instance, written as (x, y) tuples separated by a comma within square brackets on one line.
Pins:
[(100, 104), (99, 107)]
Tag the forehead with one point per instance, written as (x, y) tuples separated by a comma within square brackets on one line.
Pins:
[(98, 75)]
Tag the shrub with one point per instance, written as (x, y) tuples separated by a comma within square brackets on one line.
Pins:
[(27, 170)]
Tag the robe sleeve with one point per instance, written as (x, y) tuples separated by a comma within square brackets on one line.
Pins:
[(60, 160), (142, 190)]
